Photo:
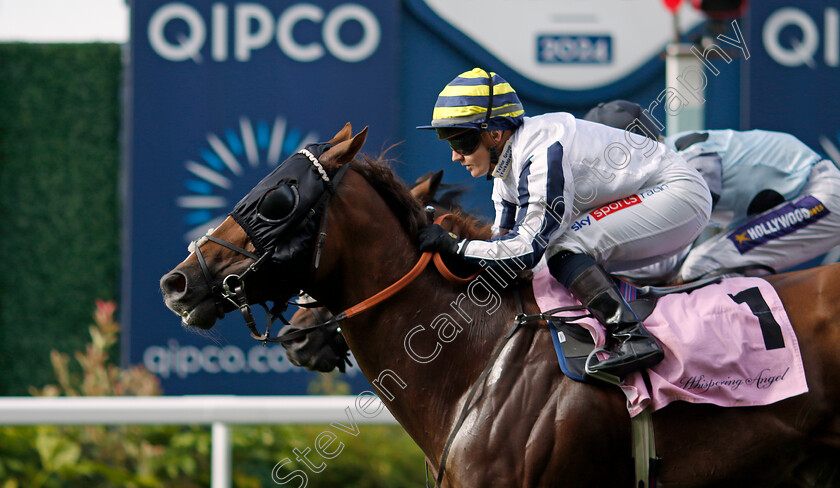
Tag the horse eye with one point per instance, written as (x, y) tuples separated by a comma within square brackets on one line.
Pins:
[(279, 203)]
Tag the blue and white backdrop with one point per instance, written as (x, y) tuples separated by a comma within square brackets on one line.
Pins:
[(221, 91)]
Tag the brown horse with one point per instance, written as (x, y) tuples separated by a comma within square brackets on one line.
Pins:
[(529, 425)]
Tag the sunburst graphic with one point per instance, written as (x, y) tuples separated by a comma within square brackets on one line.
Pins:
[(230, 165)]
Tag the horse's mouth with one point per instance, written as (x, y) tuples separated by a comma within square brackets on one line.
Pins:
[(202, 316)]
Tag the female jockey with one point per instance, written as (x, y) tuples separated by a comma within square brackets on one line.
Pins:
[(776, 201), (582, 195)]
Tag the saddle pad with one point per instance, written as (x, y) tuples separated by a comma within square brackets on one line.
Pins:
[(728, 344)]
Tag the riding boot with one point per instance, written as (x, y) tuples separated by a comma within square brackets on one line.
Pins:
[(629, 345)]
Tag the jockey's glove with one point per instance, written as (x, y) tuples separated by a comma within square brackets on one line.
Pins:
[(435, 238)]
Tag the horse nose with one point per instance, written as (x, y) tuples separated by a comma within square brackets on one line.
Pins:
[(174, 284)]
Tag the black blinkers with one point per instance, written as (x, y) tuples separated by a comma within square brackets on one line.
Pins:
[(279, 204)]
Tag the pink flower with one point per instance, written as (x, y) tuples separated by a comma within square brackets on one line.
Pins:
[(105, 311)]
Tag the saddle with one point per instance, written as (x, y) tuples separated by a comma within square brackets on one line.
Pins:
[(573, 344)]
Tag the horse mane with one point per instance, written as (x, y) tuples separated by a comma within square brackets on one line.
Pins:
[(407, 209), (393, 190), (469, 226)]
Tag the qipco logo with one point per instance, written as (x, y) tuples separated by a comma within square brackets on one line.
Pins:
[(792, 37), (179, 32)]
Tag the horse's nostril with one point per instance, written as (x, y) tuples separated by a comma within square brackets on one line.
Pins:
[(174, 283)]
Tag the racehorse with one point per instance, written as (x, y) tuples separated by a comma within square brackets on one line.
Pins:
[(528, 425)]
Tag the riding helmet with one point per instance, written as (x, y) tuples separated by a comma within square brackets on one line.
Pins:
[(464, 103), (621, 114)]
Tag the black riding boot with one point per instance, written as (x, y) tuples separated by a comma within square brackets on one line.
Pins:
[(629, 345)]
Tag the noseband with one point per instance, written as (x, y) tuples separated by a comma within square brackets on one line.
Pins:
[(232, 289)]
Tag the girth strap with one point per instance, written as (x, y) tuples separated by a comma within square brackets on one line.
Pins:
[(479, 385)]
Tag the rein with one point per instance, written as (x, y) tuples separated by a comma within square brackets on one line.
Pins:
[(405, 281), (383, 295)]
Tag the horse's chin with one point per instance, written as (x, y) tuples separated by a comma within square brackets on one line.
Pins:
[(202, 316)]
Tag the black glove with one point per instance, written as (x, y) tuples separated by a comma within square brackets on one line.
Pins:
[(435, 238)]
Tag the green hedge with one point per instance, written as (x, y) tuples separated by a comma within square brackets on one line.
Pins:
[(179, 457), (95, 456), (59, 202)]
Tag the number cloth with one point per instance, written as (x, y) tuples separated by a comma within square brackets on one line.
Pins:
[(729, 344)]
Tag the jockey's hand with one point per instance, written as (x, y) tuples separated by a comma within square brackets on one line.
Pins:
[(435, 238)]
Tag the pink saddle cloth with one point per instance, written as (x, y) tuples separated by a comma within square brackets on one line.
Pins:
[(729, 344)]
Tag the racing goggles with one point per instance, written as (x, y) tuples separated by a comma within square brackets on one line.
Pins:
[(462, 141)]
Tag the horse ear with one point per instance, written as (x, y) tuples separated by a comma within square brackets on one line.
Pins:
[(342, 135), (345, 151), (426, 187)]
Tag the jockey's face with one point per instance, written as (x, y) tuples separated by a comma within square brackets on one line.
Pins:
[(477, 162)]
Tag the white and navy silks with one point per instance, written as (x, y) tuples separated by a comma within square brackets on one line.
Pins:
[(778, 203), (568, 184)]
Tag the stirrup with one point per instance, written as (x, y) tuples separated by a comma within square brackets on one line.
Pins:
[(599, 375), (642, 356)]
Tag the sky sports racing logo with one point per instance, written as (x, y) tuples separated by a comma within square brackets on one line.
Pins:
[(610, 208), (232, 163)]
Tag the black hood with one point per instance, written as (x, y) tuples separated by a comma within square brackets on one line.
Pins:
[(281, 213)]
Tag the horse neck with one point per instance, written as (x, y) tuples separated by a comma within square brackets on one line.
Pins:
[(424, 348)]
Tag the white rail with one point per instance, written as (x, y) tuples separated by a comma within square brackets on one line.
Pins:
[(219, 411)]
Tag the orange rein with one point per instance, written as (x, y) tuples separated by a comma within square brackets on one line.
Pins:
[(408, 278)]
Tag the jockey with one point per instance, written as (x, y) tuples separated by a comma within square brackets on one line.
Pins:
[(776, 201), (581, 195)]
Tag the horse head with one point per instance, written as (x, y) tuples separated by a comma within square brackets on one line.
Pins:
[(268, 246)]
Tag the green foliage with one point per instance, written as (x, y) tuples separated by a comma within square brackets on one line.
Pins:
[(59, 235), (92, 456), (379, 457), (328, 384), (59, 199), (179, 457), (98, 375)]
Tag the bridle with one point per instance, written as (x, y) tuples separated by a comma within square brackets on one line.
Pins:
[(232, 288)]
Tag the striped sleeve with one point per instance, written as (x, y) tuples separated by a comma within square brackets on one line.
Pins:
[(540, 211), (505, 216)]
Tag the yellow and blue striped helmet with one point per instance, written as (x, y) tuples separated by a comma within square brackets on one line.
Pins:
[(464, 101)]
